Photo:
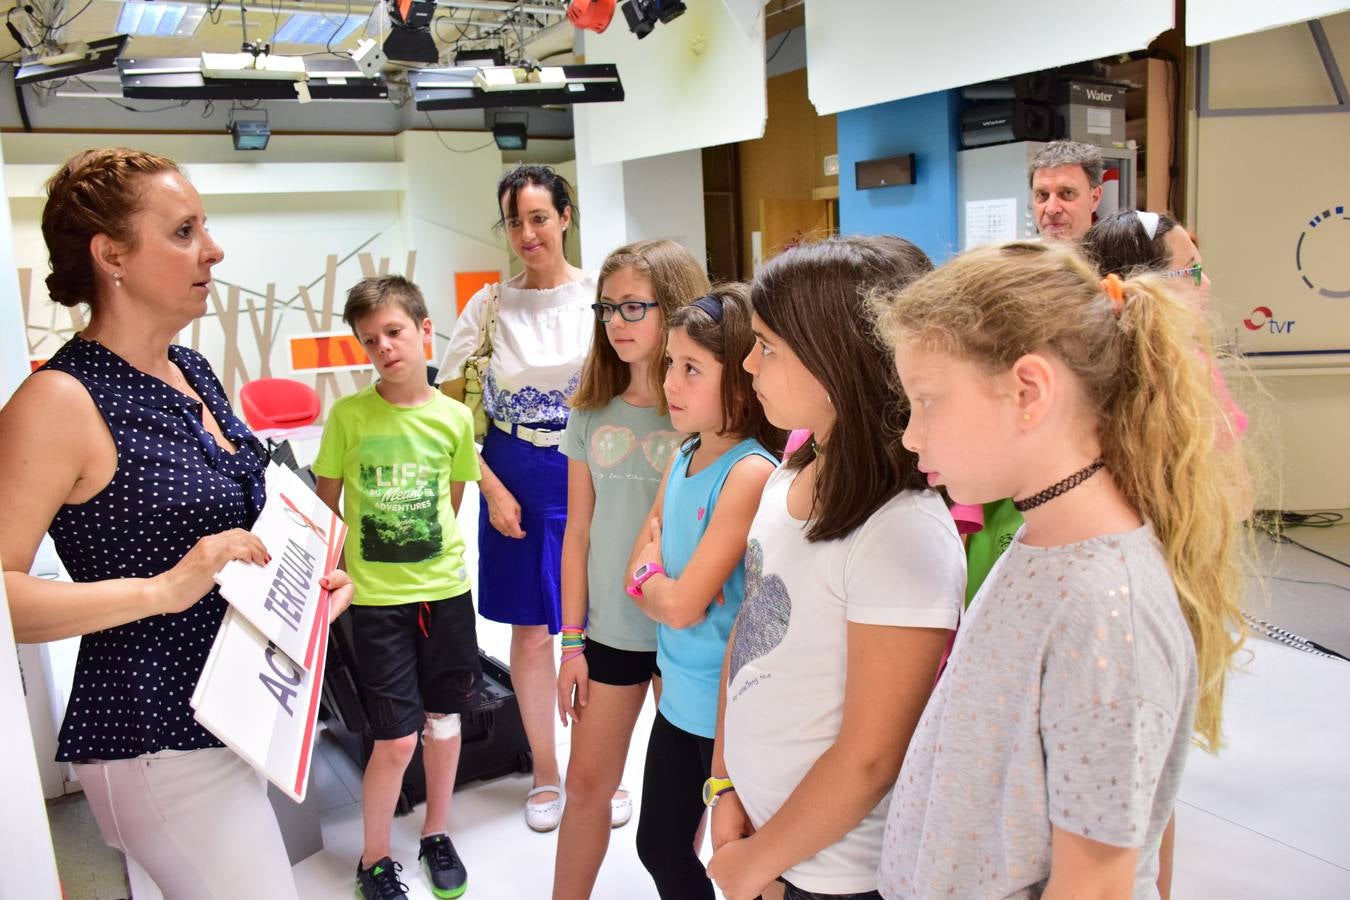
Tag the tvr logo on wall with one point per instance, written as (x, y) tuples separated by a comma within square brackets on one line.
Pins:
[(1263, 319)]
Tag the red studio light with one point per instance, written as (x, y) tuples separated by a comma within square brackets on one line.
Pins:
[(591, 15)]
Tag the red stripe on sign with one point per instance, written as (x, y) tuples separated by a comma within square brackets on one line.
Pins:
[(320, 626), (337, 530), (302, 769), (337, 533)]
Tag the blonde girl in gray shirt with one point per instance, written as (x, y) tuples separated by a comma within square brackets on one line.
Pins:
[(1050, 755)]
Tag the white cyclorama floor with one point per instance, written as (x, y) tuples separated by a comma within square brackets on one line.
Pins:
[(1267, 818), (504, 858)]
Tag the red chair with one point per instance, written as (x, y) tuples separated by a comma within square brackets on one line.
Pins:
[(278, 403)]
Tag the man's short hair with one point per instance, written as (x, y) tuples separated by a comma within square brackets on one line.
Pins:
[(1088, 157)]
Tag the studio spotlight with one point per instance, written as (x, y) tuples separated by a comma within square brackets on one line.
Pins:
[(250, 133), (510, 135), (410, 37), (590, 15), (642, 15)]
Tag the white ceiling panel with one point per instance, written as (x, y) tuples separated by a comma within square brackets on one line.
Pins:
[(865, 52), (697, 81), (1213, 20)]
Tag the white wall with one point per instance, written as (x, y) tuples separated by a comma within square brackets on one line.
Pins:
[(27, 864), (279, 216), (281, 213), (695, 82), (663, 198), (1213, 20), (450, 209), (655, 197), (1301, 428), (1259, 179), (601, 184), (13, 349)]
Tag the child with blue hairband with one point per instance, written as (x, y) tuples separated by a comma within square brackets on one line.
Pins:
[(689, 572)]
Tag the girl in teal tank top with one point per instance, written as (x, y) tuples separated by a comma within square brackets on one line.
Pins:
[(689, 570)]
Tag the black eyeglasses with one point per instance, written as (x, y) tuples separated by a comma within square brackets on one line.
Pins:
[(631, 310)]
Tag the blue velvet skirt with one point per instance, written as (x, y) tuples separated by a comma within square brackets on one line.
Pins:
[(519, 580)]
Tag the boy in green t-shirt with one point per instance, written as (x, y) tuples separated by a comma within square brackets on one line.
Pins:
[(397, 454), (984, 547)]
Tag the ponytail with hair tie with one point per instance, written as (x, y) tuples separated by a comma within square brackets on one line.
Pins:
[(1115, 292)]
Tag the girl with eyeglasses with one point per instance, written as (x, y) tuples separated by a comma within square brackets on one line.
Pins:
[(1137, 242), (1133, 240), (618, 441)]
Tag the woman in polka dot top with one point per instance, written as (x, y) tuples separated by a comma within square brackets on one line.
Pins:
[(124, 447)]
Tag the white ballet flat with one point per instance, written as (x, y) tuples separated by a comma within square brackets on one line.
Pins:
[(544, 817), (620, 808)]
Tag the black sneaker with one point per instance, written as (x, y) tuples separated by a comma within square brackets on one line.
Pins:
[(380, 881), (444, 870)]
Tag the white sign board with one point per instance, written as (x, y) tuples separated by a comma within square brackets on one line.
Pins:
[(259, 690), (280, 599), (261, 704)]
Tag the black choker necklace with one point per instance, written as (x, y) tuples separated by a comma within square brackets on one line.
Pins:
[(1059, 487)]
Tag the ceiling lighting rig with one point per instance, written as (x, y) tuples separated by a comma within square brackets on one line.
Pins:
[(72, 60), (243, 76), (255, 73), (525, 83)]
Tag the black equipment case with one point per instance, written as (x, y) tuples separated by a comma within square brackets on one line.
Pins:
[(493, 737)]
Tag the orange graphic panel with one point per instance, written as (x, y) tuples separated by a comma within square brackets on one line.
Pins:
[(36, 362), (330, 351), (468, 283)]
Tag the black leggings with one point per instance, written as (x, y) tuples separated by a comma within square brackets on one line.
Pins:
[(672, 806)]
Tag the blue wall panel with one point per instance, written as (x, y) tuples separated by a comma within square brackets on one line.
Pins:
[(924, 212)]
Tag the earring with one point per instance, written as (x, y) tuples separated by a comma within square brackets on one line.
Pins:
[(1026, 417), (117, 279)]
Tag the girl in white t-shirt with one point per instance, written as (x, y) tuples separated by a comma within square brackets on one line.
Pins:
[(854, 581)]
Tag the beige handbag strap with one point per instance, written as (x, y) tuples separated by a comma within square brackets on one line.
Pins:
[(488, 327)]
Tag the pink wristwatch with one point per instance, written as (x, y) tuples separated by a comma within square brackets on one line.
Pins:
[(640, 576)]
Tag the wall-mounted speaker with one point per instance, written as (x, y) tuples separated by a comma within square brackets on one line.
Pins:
[(875, 173), (1012, 120), (1033, 86)]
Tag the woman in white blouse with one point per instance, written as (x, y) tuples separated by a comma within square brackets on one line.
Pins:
[(543, 331)]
